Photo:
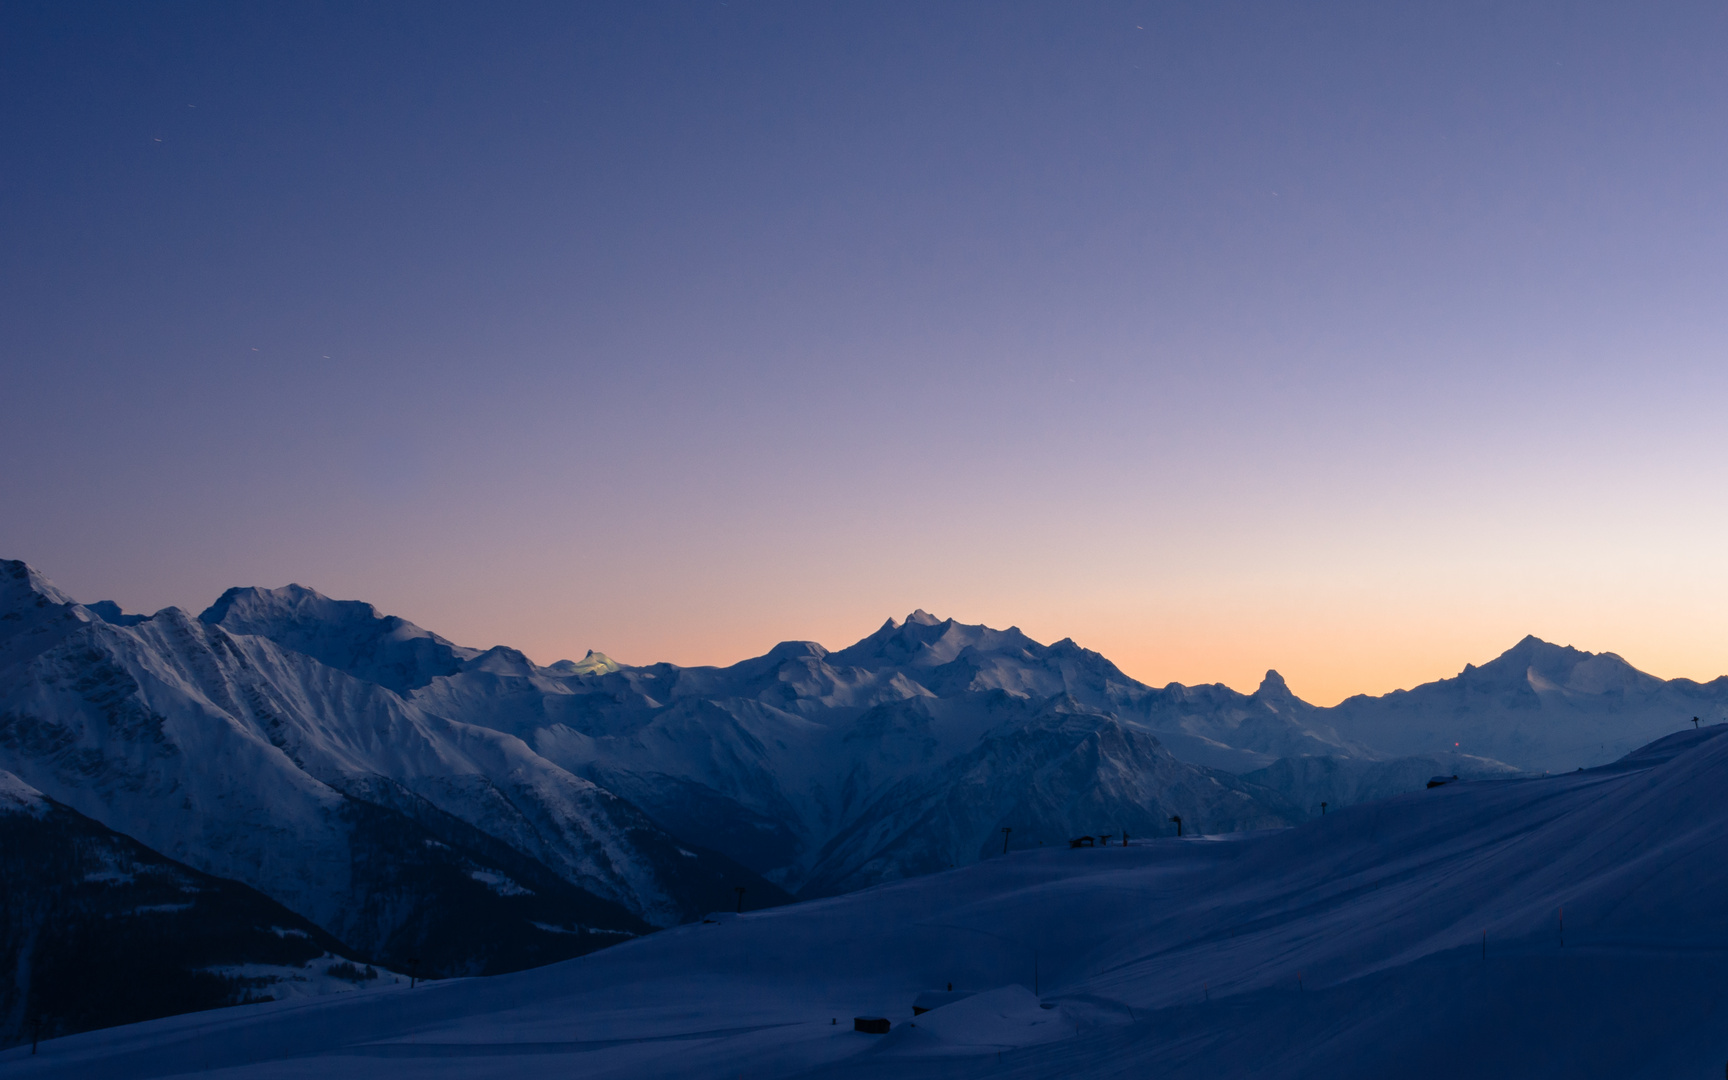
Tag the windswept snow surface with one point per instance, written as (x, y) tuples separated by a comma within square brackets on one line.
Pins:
[(1556, 926)]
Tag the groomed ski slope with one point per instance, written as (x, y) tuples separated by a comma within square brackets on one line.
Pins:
[(1351, 946)]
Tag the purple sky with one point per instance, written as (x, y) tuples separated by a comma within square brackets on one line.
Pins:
[(1356, 340)]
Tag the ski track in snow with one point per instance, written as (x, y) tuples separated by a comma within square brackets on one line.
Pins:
[(1351, 946)]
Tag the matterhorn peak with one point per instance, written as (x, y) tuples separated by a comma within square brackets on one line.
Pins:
[(1273, 685)]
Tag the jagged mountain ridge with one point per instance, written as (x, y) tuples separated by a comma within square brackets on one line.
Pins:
[(794, 761), (822, 770), (776, 757), (803, 763), (398, 832), (348, 635)]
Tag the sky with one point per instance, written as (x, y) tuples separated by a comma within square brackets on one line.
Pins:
[(1352, 340)]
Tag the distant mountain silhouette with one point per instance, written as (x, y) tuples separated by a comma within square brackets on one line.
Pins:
[(1537, 706)]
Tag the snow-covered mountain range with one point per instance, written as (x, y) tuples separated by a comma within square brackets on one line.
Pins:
[(1548, 926), (478, 812), (912, 749), (905, 753), (401, 833)]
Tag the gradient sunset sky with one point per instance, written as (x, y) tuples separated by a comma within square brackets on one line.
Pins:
[(1354, 340)]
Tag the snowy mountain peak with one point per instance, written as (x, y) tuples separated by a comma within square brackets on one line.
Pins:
[(22, 587), (1533, 650), (1544, 666), (595, 663), (923, 641), (503, 660), (247, 605), (1537, 706), (796, 650), (350, 635)]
